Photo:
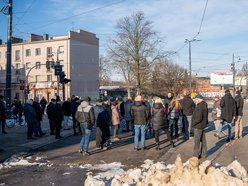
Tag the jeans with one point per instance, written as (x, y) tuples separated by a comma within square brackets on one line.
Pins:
[(66, 122), (173, 123), (200, 148), (115, 132), (229, 125), (238, 126), (84, 143), (188, 128), (139, 129)]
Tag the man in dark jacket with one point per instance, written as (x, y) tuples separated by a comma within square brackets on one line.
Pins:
[(228, 112), (50, 116), (140, 115), (66, 107), (238, 119), (127, 114), (30, 117), (188, 106), (43, 103), (38, 110), (59, 117), (199, 123)]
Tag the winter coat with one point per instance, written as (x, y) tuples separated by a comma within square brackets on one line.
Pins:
[(159, 120), (216, 110), (74, 106), (29, 113), (140, 113), (127, 108), (228, 108), (108, 112), (115, 115), (43, 102), (55, 112), (188, 106), (200, 116), (89, 115), (122, 109), (101, 117), (66, 107), (38, 111), (239, 105), (2, 111)]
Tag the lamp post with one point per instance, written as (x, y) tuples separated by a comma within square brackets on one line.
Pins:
[(190, 73)]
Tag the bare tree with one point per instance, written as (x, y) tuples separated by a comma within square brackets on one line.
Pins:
[(168, 77), (134, 48), (104, 73)]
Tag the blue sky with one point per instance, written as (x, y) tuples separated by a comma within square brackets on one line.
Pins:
[(224, 29)]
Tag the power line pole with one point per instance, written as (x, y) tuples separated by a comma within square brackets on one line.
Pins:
[(234, 73), (190, 66), (9, 52)]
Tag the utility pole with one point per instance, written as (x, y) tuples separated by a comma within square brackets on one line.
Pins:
[(8, 67), (233, 68), (190, 66)]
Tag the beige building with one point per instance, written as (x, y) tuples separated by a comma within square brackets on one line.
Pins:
[(78, 52)]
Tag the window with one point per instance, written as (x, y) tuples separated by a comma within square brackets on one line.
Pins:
[(38, 65), (49, 52), (28, 65), (37, 78), (28, 52), (61, 62), (6, 54), (61, 49), (17, 65), (37, 51), (17, 55), (49, 78)]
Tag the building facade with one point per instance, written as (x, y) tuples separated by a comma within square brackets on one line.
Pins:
[(78, 53)]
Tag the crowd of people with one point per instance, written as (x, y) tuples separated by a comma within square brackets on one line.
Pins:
[(138, 116)]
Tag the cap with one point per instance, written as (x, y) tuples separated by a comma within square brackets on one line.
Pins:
[(199, 96)]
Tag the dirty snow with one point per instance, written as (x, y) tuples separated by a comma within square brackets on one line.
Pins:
[(178, 174)]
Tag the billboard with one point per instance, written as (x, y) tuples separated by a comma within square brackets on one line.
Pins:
[(221, 79)]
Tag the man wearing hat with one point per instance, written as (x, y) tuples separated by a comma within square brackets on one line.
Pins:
[(140, 115), (199, 123), (238, 119)]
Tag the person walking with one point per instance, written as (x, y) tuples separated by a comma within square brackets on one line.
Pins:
[(173, 117), (140, 114), (30, 117), (115, 120), (66, 107), (86, 117), (188, 106), (43, 103), (199, 123), (228, 112), (159, 121), (2, 114), (38, 110), (238, 119)]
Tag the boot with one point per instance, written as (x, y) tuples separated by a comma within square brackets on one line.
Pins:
[(157, 146)]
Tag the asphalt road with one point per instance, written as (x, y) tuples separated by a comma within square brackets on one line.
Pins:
[(61, 159)]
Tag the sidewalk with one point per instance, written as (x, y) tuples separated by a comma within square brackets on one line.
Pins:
[(16, 139), (225, 154)]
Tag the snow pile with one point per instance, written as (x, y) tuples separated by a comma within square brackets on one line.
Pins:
[(18, 160), (190, 173)]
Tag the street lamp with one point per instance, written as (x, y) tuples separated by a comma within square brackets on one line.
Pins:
[(190, 75)]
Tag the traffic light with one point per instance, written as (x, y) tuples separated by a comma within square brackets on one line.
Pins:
[(57, 70), (66, 80), (48, 65), (62, 77)]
